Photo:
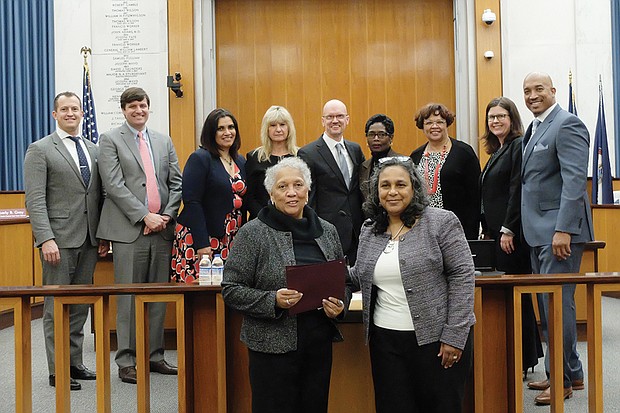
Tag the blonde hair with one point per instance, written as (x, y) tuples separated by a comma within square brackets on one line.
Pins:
[(276, 114)]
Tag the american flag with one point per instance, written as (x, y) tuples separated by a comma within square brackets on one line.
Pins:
[(89, 125)]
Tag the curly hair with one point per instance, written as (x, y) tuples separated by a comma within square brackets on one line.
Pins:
[(292, 162), (372, 206), (431, 109)]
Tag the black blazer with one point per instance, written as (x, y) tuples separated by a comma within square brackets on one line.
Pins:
[(459, 184), (207, 196), (329, 195), (257, 196), (500, 187)]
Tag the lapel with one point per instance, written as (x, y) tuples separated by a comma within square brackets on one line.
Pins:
[(62, 149), (540, 132), (327, 155), (494, 158), (128, 137), (155, 150)]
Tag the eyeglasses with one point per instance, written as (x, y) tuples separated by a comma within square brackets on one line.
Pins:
[(380, 135), (434, 122), (332, 117), (500, 117), (395, 158)]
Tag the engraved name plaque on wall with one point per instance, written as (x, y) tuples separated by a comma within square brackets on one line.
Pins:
[(129, 48)]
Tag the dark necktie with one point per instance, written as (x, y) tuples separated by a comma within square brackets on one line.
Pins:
[(535, 124), (342, 163), (84, 169)]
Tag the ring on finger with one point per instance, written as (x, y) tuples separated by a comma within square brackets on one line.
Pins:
[(288, 302)]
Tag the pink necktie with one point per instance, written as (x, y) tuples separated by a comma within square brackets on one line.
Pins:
[(152, 193)]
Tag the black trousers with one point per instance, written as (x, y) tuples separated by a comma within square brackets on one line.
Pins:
[(297, 381), (409, 378)]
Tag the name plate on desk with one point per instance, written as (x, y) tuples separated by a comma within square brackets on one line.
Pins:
[(11, 216)]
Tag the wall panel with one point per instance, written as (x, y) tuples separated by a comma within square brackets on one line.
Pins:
[(390, 57)]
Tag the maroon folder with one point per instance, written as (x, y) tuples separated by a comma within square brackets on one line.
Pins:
[(316, 282)]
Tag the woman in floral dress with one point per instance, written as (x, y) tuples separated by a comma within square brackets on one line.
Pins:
[(214, 184)]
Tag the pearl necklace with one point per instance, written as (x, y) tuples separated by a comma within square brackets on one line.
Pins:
[(392, 241)]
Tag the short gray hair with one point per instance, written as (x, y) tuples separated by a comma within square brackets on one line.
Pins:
[(289, 162)]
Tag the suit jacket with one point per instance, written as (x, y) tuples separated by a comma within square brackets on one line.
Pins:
[(207, 196), (459, 184), (500, 187), (60, 206), (255, 270), (554, 175), (329, 195), (124, 180), (366, 172), (437, 272)]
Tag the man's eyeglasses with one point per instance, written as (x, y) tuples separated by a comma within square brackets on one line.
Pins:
[(332, 117), (434, 122), (380, 135), (500, 117), (395, 158)]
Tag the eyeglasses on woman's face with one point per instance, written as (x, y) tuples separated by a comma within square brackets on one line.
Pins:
[(440, 122), (499, 117), (380, 135)]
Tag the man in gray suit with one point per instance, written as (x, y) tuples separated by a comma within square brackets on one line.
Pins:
[(63, 194), (555, 211), (141, 176)]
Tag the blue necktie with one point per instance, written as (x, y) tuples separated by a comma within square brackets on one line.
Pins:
[(84, 169)]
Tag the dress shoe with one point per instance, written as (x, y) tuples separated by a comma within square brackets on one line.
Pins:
[(545, 396), (128, 374), (74, 385), (163, 367), (80, 372), (544, 385)]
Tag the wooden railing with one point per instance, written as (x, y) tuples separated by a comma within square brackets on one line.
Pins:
[(202, 348), (497, 346), (201, 342)]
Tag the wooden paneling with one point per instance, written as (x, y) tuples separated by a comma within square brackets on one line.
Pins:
[(606, 220), (489, 71), (390, 57), (10, 200), (16, 254), (181, 59)]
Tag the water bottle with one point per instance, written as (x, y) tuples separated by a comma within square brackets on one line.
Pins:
[(204, 271), (217, 270)]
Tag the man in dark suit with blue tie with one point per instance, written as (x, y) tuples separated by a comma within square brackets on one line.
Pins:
[(555, 211), (334, 163), (63, 198)]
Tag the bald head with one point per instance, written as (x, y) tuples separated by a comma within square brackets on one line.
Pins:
[(335, 119), (538, 92)]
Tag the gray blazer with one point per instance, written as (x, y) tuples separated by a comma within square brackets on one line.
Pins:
[(554, 175), (124, 180), (437, 272), (60, 206), (255, 270)]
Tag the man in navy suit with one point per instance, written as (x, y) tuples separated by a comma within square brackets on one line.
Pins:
[(334, 163), (555, 211)]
